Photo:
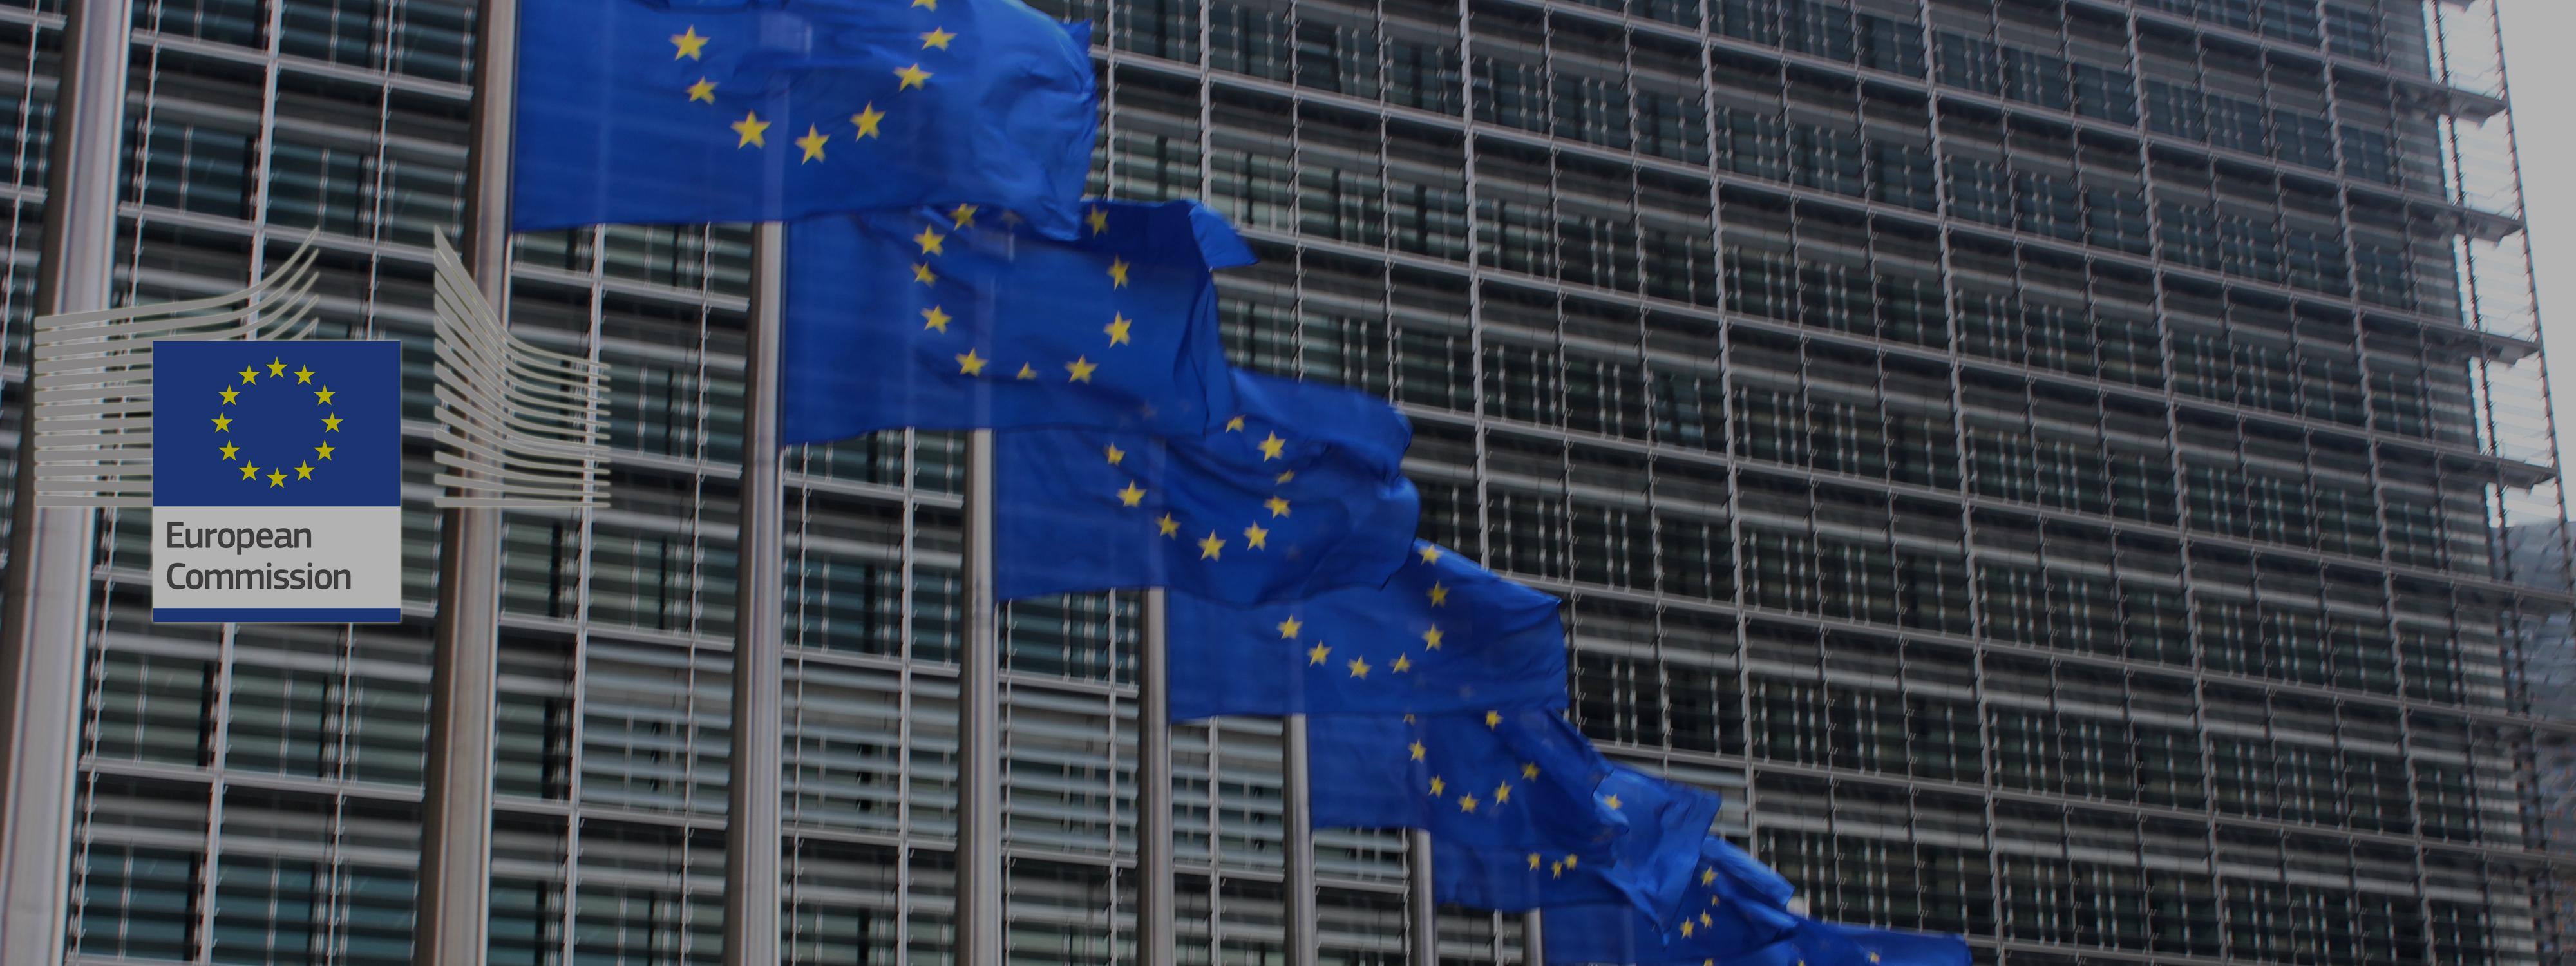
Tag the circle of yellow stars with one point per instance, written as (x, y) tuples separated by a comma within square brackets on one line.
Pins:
[(753, 132), (275, 475), (1271, 447), (972, 363), (1432, 635)]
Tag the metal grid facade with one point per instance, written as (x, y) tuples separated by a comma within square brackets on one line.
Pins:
[(2039, 458)]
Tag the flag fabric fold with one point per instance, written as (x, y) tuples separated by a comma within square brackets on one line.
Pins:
[(637, 111), (965, 319), (1523, 812), (1301, 491), (1443, 635), (1734, 907)]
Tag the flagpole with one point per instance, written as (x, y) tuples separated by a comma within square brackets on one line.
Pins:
[(456, 805), (752, 819), (1533, 939), (979, 772), (1154, 786), (45, 615), (1422, 935), (1295, 787)]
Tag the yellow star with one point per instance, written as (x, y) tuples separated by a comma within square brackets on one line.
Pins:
[(1502, 793), (913, 76), (1529, 771), (304, 377), (249, 374), (1416, 749), (1099, 220), (1438, 786), (1234, 425), (752, 129), (223, 424), (249, 471), (1116, 455), (229, 449), (921, 273), (1270, 447), (323, 396), (812, 142), (1278, 507), (1026, 372), (277, 479), (932, 4), (692, 44), (1430, 555), (1493, 718), (331, 423), (1612, 801), (1533, 861), (1081, 368), (1285, 477), (1571, 860), (1439, 595), (1117, 273), (304, 471), (1288, 628), (1704, 920), (1211, 548), (1117, 329), (936, 38), (230, 394), (1169, 526), (1131, 496), (1873, 957), (930, 241), (1431, 639), (867, 119), (1688, 927), (933, 318), (1556, 869), (1257, 538), (1316, 654), (323, 452), (1402, 664), (1359, 668), (1708, 877), (277, 368), (970, 364), (962, 216), (1466, 803), (703, 90)]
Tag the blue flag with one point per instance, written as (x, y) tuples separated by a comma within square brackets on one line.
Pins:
[(962, 320), (1734, 907), (771, 110), (1301, 492), (1522, 811), (1815, 943), (1443, 636)]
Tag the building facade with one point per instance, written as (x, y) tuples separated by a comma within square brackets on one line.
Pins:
[(2041, 460)]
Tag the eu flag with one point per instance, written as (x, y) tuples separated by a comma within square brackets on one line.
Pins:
[(1443, 636), (967, 320), (675, 111), (1734, 906), (1522, 811), (1299, 492), (1814, 943)]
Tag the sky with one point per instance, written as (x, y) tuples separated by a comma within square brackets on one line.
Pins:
[(2539, 71)]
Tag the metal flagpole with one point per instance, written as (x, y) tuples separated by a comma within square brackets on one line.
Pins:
[(1294, 785), (1422, 935), (979, 726), (456, 806), (1533, 939), (752, 820), (1154, 787), (44, 617)]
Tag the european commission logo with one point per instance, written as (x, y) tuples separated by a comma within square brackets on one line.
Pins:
[(271, 462), (277, 482)]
